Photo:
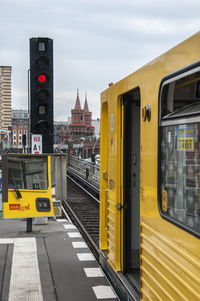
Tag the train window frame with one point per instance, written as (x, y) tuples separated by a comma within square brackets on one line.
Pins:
[(173, 120)]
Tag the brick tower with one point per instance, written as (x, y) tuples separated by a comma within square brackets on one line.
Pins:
[(81, 120)]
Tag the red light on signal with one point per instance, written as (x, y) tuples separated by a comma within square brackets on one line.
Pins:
[(42, 78)]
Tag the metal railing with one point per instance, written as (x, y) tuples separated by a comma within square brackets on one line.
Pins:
[(86, 169)]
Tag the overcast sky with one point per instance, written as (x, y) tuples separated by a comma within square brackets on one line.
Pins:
[(95, 42)]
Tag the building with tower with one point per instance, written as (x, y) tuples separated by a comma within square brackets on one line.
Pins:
[(80, 131), (81, 124)]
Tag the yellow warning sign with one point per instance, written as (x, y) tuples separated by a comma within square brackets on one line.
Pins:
[(185, 144)]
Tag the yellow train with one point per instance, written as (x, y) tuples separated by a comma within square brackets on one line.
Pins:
[(27, 188), (150, 178)]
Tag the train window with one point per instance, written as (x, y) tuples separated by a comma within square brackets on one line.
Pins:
[(179, 141), (27, 173), (176, 94)]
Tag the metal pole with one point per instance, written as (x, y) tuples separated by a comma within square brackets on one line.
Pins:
[(29, 221), (29, 113), (29, 225)]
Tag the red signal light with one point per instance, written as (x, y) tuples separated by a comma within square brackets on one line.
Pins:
[(42, 78)]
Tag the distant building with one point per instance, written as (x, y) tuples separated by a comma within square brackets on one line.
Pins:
[(20, 127), (80, 132), (5, 107), (5, 140), (5, 97), (81, 125), (59, 131)]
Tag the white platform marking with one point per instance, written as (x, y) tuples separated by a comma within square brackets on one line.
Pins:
[(69, 226), (60, 220), (85, 257), (74, 234), (25, 277), (6, 241), (79, 244), (93, 272), (103, 292)]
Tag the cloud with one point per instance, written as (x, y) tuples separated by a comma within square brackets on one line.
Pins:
[(19, 99), (67, 101), (95, 42)]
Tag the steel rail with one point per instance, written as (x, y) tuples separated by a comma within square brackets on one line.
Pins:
[(83, 231), (91, 195), (93, 187)]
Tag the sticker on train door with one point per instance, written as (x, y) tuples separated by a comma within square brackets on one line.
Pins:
[(185, 144), (185, 138)]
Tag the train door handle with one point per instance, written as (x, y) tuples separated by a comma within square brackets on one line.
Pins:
[(106, 193)]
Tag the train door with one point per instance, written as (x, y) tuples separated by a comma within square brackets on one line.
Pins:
[(110, 206), (104, 176), (131, 197)]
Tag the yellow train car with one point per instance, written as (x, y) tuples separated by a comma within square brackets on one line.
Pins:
[(26, 185), (150, 178)]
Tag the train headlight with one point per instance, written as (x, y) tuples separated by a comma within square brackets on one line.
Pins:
[(43, 204)]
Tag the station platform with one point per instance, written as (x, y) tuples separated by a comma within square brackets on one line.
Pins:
[(52, 263)]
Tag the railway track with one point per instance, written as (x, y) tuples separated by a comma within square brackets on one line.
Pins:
[(90, 185), (82, 206)]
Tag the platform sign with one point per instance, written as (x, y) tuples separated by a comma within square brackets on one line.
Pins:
[(36, 145), (26, 186)]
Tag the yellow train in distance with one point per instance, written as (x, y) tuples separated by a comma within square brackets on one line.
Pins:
[(27, 188), (150, 178)]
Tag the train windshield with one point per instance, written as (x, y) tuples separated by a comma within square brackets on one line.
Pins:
[(28, 173), (180, 152)]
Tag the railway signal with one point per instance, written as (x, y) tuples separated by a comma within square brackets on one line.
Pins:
[(41, 90)]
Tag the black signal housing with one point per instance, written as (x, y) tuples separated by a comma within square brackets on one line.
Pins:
[(41, 90)]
